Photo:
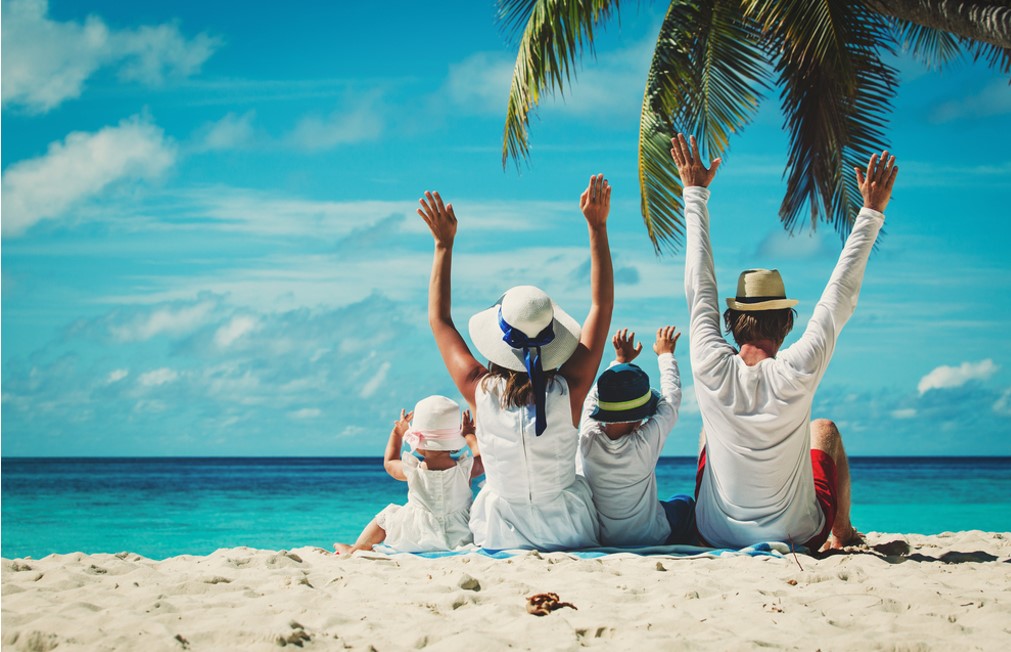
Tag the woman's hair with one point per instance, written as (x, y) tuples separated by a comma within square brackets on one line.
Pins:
[(518, 391), (754, 325)]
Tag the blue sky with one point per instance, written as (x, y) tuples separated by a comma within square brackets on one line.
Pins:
[(210, 246)]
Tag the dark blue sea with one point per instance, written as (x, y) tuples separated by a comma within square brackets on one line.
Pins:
[(162, 507)]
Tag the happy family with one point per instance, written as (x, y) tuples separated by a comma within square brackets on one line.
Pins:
[(570, 459)]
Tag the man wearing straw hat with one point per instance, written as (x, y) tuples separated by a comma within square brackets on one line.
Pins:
[(766, 471)]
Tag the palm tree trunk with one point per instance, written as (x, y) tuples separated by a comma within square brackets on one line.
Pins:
[(976, 19)]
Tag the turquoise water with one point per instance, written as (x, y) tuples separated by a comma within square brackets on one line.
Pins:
[(161, 507)]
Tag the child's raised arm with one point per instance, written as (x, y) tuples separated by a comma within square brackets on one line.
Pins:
[(391, 460), (670, 377), (625, 348)]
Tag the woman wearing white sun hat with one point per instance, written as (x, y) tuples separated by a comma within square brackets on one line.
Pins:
[(527, 401)]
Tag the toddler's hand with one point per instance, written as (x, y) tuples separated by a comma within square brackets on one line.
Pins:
[(402, 424), (468, 427), (624, 349), (666, 340)]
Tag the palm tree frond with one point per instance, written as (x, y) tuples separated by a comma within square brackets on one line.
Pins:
[(932, 47), (706, 78), (554, 35), (659, 183), (994, 56), (836, 94)]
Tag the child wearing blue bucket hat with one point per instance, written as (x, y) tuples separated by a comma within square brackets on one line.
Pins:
[(625, 424)]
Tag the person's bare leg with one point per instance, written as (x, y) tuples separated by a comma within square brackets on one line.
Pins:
[(825, 437), (370, 536)]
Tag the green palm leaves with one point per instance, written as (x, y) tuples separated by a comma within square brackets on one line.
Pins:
[(713, 62)]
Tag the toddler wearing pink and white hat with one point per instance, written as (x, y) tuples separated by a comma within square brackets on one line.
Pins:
[(432, 455)]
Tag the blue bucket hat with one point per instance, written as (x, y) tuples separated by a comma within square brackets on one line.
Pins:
[(623, 395)]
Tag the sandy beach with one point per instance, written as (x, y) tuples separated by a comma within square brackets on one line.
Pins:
[(940, 592)]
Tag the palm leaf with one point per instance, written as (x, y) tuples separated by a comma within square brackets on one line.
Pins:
[(706, 78), (554, 35), (934, 48), (835, 94)]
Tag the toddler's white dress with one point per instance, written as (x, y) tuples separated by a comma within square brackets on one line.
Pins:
[(437, 510)]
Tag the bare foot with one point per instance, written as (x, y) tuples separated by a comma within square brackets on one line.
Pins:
[(849, 537), (343, 549)]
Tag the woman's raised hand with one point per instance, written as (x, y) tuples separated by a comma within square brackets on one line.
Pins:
[(439, 217), (595, 202)]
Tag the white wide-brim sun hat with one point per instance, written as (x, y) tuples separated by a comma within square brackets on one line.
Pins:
[(530, 310), (760, 289)]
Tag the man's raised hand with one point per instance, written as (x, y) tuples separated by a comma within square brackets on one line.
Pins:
[(690, 167), (876, 184)]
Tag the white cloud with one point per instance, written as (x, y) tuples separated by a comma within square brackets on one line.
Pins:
[(904, 413), (341, 127), (779, 244), (374, 383), (46, 62), (80, 167), (116, 375), (600, 88), (945, 377), (992, 100), (230, 132), (157, 377), (305, 413), (480, 83), (1002, 405), (171, 320), (233, 330)]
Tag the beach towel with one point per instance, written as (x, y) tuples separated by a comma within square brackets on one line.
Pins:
[(769, 549)]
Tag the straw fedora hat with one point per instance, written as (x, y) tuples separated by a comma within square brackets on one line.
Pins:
[(436, 425), (530, 311), (760, 289)]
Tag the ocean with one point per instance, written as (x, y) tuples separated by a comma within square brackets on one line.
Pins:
[(163, 507)]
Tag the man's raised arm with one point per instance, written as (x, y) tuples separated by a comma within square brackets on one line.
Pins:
[(700, 275), (814, 349)]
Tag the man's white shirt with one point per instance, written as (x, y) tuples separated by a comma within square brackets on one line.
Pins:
[(758, 485)]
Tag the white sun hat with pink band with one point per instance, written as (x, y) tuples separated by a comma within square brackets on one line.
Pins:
[(436, 425)]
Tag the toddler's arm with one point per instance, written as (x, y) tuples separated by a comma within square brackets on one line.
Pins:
[(391, 460), (469, 432)]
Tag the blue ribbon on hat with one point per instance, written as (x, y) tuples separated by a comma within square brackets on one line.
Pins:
[(531, 346)]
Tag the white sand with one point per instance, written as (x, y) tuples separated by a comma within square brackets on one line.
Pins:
[(245, 599)]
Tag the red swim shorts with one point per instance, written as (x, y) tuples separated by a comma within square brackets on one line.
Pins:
[(825, 483)]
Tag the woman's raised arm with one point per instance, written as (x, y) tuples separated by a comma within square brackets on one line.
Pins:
[(580, 370), (465, 370)]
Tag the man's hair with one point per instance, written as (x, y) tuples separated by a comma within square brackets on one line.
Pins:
[(753, 325)]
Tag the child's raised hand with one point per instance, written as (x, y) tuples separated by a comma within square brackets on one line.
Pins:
[(402, 424), (468, 427), (666, 340), (624, 349)]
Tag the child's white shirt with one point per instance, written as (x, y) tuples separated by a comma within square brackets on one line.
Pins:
[(622, 472)]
